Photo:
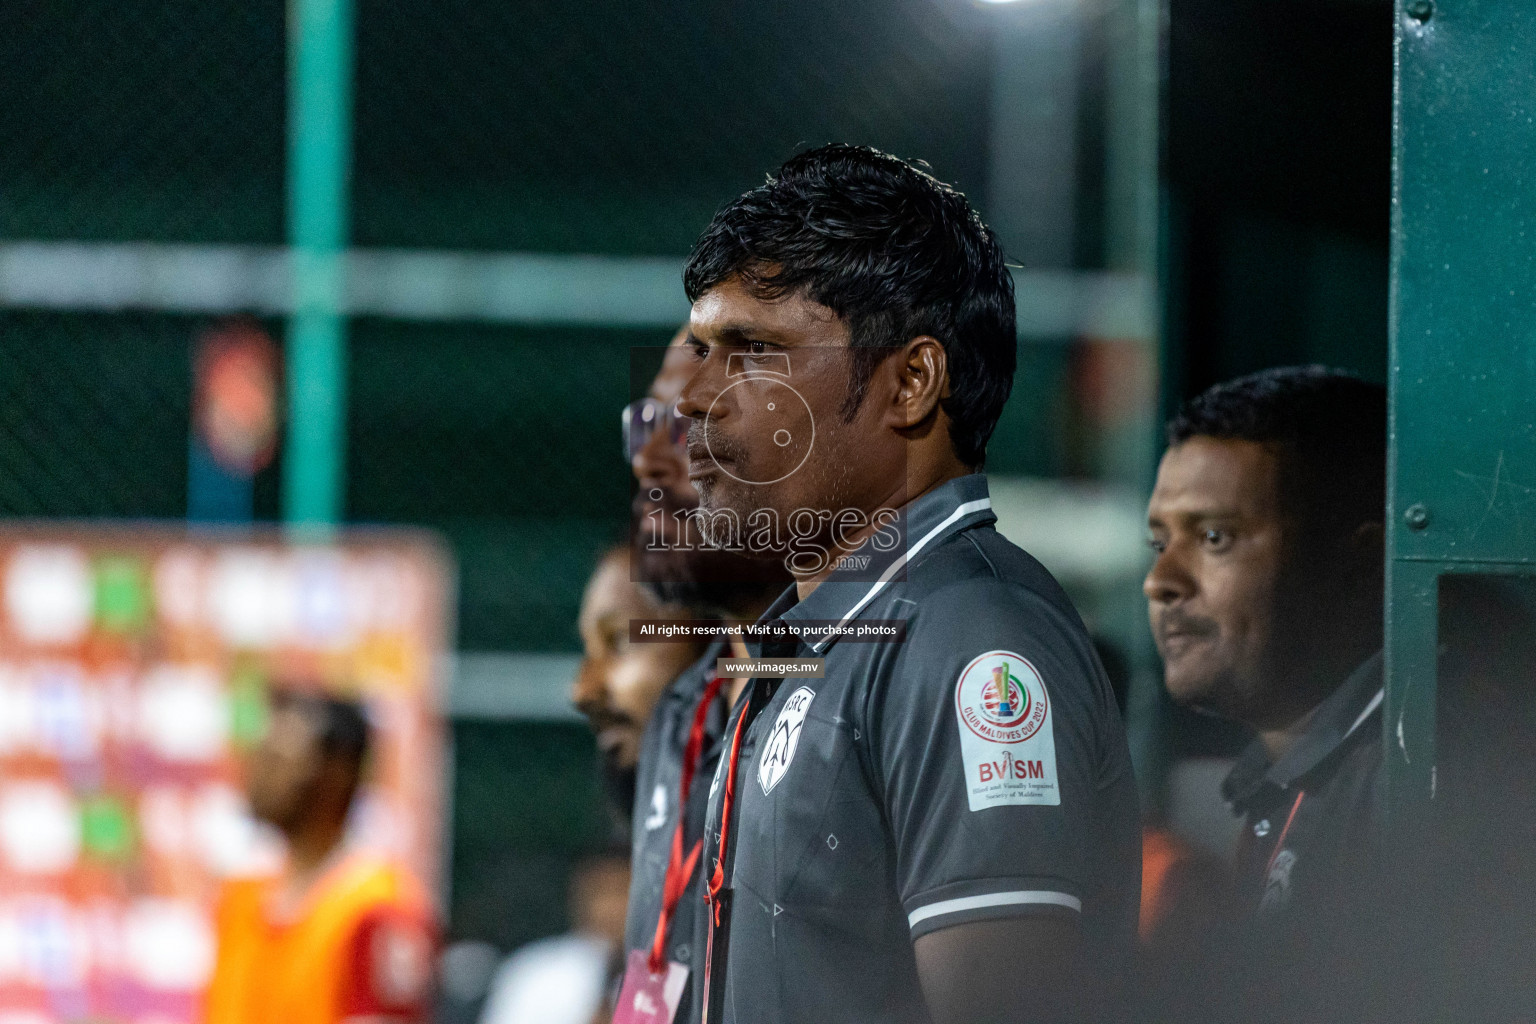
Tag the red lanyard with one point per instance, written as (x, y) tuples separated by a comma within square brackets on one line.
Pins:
[(680, 868), (1280, 843), (717, 877)]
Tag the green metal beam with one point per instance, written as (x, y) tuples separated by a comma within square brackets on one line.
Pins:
[(319, 152), (1462, 476)]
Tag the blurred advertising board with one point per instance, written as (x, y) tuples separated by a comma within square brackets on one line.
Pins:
[(134, 667)]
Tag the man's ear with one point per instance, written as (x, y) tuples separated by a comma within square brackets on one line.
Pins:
[(922, 368)]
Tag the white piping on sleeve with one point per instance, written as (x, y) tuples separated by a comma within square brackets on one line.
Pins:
[(1020, 897), (1372, 706)]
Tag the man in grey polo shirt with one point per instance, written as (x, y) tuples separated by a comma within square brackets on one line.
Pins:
[(942, 828), (673, 565), (1265, 603)]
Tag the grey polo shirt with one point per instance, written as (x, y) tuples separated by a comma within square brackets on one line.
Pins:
[(1312, 824), (977, 770), (657, 778)]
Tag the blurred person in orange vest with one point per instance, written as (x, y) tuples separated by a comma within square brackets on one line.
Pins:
[(339, 935)]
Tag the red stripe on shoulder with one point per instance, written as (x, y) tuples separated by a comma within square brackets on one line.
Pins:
[(389, 965)]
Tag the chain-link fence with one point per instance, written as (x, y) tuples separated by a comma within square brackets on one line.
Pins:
[(594, 128), (154, 120), (480, 129)]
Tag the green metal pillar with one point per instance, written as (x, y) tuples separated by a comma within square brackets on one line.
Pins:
[(1462, 477), (319, 151)]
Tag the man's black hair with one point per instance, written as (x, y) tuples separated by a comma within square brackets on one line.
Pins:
[(345, 733), (895, 253), (1330, 426), (341, 725)]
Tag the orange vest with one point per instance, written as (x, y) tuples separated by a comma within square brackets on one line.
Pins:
[(359, 946)]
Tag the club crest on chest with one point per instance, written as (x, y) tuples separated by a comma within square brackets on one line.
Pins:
[(783, 738)]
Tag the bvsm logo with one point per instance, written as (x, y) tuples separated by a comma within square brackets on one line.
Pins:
[(1009, 767), (1006, 743), (779, 751)]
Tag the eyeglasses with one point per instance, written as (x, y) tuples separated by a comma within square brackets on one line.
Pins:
[(644, 417)]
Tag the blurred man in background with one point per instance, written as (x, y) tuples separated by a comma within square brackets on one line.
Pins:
[(1265, 599), (340, 935), (682, 743), (618, 682)]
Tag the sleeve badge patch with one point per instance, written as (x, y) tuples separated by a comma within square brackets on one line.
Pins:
[(1006, 742)]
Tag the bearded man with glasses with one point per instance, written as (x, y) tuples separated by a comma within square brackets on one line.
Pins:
[(672, 561)]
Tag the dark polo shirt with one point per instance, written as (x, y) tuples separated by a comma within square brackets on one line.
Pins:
[(977, 770), (657, 778), (1311, 819)]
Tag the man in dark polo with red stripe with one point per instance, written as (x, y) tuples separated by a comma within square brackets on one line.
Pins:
[(680, 745), (1265, 600)]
